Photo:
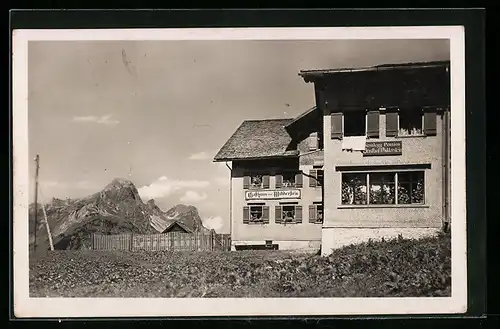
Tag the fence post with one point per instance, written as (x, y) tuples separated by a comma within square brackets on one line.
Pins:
[(212, 240), (131, 241)]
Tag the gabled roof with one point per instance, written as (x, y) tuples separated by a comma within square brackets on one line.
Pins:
[(308, 75), (181, 224), (258, 139), (305, 123), (301, 116), (161, 225)]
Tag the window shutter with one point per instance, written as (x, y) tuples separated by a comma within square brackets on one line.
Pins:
[(265, 181), (277, 215), (391, 124), (372, 129), (312, 178), (279, 181), (246, 215), (265, 214), (246, 182), (298, 214), (336, 125), (298, 180), (430, 123), (312, 214)]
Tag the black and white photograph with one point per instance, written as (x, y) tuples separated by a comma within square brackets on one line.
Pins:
[(199, 172)]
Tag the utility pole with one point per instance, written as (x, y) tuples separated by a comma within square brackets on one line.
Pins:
[(37, 161)]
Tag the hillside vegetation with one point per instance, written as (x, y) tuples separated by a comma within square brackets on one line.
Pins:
[(398, 267)]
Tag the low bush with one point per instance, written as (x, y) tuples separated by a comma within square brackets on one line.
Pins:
[(397, 267)]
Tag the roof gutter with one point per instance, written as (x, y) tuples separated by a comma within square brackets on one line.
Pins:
[(257, 158)]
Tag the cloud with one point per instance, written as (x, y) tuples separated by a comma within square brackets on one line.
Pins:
[(165, 186), (215, 222), (103, 120), (200, 156), (193, 196)]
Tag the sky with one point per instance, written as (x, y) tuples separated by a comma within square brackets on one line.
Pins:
[(157, 112)]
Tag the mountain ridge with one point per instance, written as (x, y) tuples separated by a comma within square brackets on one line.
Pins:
[(117, 208)]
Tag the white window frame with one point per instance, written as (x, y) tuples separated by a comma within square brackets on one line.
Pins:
[(396, 182)]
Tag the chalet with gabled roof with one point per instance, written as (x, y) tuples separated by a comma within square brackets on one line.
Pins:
[(371, 159)]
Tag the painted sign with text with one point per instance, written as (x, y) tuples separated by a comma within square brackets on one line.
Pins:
[(272, 194), (383, 148)]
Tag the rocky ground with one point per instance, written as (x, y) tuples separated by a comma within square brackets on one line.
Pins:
[(390, 268)]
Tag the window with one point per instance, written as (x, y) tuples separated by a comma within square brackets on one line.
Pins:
[(256, 181), (316, 177), (354, 189), (354, 123), (319, 177), (411, 187), (288, 179), (256, 213), (382, 188), (316, 213), (287, 213), (411, 123)]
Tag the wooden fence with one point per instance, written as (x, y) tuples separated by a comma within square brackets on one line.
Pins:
[(174, 241)]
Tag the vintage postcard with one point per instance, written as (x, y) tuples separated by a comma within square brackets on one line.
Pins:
[(239, 172)]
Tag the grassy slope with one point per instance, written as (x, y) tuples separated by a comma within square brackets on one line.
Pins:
[(390, 268)]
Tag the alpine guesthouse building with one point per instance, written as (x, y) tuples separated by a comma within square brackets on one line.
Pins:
[(371, 159)]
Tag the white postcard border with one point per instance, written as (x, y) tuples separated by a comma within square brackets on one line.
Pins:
[(24, 306)]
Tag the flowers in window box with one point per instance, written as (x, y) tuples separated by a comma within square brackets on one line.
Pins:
[(256, 181)]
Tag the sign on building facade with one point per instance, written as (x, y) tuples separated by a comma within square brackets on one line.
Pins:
[(383, 148), (272, 194)]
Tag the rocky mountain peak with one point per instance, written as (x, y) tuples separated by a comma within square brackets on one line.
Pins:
[(120, 190)]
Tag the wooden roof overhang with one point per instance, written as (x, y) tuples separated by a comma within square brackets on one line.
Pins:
[(403, 86)]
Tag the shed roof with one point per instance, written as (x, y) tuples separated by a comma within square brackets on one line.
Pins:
[(258, 139)]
